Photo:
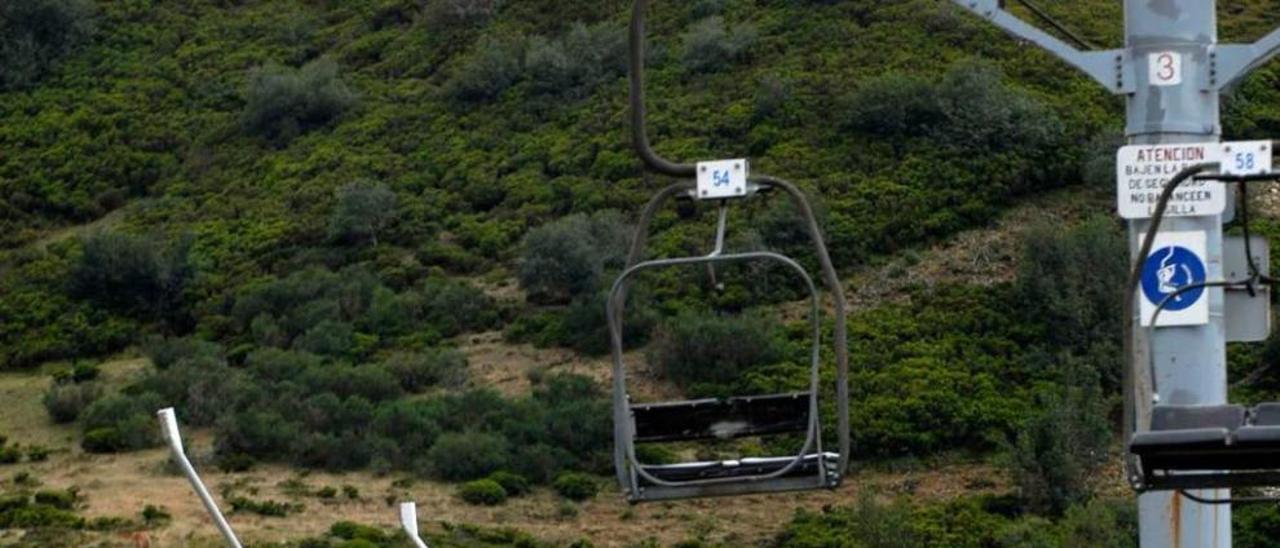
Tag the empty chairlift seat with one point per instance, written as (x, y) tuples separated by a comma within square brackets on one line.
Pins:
[(1209, 446), (794, 414)]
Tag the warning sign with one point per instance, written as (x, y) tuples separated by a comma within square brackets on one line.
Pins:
[(1143, 171), (1173, 278)]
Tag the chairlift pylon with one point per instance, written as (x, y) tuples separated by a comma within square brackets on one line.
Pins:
[(759, 415), (1197, 447)]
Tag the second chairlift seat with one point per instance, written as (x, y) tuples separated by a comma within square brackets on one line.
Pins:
[(1196, 447), (1190, 446)]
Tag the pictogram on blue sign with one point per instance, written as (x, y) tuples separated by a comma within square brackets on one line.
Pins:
[(1167, 271)]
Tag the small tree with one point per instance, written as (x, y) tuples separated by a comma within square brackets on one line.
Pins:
[(709, 45), (282, 103), (467, 456), (35, 34), (1059, 448), (362, 210), (494, 65), (133, 274), (712, 350), (566, 257)]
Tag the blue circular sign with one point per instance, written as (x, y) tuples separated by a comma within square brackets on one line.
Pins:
[(1167, 271)]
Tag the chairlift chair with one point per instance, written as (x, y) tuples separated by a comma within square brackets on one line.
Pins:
[(1199, 447), (810, 467)]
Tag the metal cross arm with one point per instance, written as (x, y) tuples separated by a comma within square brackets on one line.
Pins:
[(1108, 67), (1234, 62)]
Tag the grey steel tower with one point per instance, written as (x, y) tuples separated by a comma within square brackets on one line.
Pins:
[(1171, 72)]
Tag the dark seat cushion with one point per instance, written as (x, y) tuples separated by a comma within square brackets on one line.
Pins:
[(1253, 436), (1267, 414), (1189, 417), (1180, 439)]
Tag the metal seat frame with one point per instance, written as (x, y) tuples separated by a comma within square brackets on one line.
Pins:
[(640, 480)]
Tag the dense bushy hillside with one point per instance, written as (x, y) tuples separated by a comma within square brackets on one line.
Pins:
[(296, 208)]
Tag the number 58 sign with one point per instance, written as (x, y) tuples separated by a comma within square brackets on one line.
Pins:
[(1165, 68), (1246, 157)]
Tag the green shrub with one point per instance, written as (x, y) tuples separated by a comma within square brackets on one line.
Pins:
[(350, 492), (120, 423), (1110, 524), (40, 516), (328, 338), (362, 210), (282, 103), (235, 462), (493, 65), (417, 371), (582, 326), (577, 62), (349, 530), (83, 372), (1070, 285), (566, 257), (153, 515), (164, 352), (451, 13), (454, 307), (62, 500), (132, 274), (1060, 447), (37, 453), (10, 502), (575, 486), (867, 523), (515, 485), (695, 348), (10, 455), (36, 34), (468, 455), (482, 491), (65, 402), (709, 45), (267, 508), (327, 492)]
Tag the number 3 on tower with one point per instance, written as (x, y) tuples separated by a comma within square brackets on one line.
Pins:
[(1166, 68)]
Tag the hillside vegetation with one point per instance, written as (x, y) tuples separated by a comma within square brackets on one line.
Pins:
[(302, 214)]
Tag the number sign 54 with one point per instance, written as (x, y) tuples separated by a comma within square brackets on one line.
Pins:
[(1165, 68)]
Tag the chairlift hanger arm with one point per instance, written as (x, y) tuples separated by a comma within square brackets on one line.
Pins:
[(639, 132), (1107, 67), (1234, 62)]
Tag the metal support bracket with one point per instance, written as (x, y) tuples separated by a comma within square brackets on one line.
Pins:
[(1111, 68), (1233, 62), (1248, 311)]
